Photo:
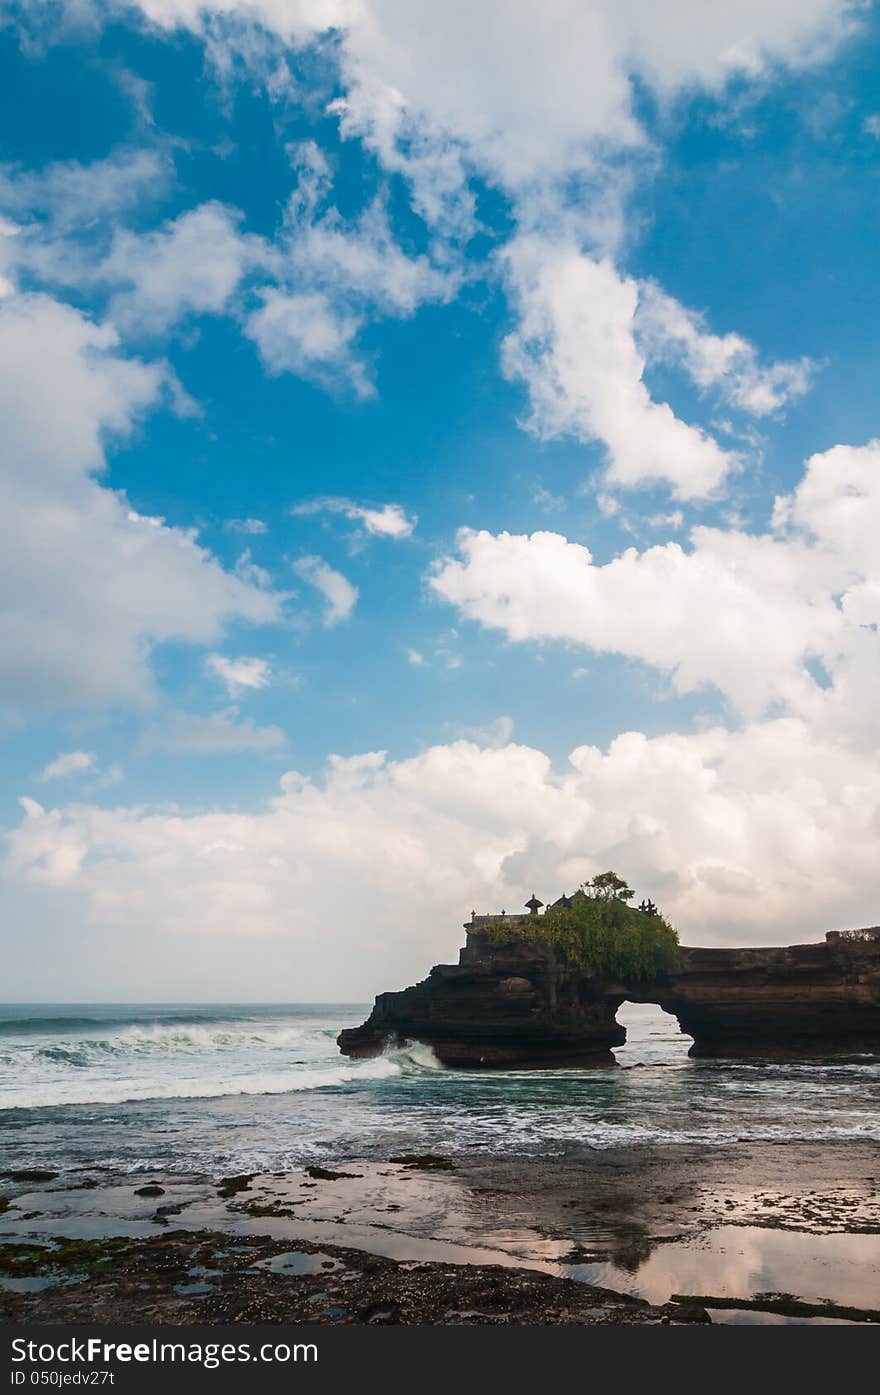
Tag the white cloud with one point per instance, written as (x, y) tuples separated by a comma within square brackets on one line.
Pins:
[(332, 277), (575, 349), (362, 258), (308, 336), (338, 592), (764, 834), (251, 526), (546, 500), (88, 584), (191, 266), (248, 570), (533, 102), (67, 763), (528, 95), (540, 103), (70, 763), (735, 833), (386, 520), (302, 298), (496, 733), (219, 731), (70, 195), (747, 613), (296, 21), (239, 674), (666, 330)]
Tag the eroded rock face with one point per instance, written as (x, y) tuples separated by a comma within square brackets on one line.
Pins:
[(520, 1005), (814, 999)]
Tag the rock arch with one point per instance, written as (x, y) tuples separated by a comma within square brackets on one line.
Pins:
[(520, 1005)]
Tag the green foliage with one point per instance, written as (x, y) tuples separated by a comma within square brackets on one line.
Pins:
[(607, 886), (601, 934), (501, 932)]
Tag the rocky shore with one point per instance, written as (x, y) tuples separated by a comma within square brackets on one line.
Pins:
[(203, 1278), (609, 1236)]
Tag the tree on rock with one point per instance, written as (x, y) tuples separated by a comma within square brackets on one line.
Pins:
[(596, 930), (607, 886)]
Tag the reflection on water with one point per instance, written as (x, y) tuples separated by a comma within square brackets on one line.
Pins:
[(414, 1216), (15, 1284), (737, 1317), (298, 1262), (744, 1261)]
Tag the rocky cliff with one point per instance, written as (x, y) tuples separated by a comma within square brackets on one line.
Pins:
[(519, 1004)]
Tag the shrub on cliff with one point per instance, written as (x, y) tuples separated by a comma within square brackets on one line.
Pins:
[(604, 936)]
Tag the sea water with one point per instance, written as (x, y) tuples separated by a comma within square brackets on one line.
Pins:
[(235, 1088)]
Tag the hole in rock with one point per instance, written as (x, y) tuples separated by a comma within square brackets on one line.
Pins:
[(653, 1037)]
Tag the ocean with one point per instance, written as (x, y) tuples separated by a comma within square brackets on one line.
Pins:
[(230, 1088)]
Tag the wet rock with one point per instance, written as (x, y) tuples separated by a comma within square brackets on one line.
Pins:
[(152, 1282), (326, 1174), (30, 1174), (230, 1185), (425, 1162)]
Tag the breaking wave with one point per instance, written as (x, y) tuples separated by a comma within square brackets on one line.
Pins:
[(55, 1094), (140, 1041), (186, 1060), (233, 1088)]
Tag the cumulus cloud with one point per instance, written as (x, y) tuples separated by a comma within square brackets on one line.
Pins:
[(527, 96), (575, 349), (539, 119), (239, 674), (191, 266), (88, 584), (768, 831), (67, 763), (534, 101), (307, 335), (764, 834), (385, 520), (338, 592), (746, 613)]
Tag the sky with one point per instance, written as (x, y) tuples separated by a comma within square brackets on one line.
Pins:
[(439, 462)]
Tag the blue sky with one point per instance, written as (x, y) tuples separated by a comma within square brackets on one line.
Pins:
[(287, 307)]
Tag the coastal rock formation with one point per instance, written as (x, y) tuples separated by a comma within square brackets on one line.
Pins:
[(518, 1003)]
